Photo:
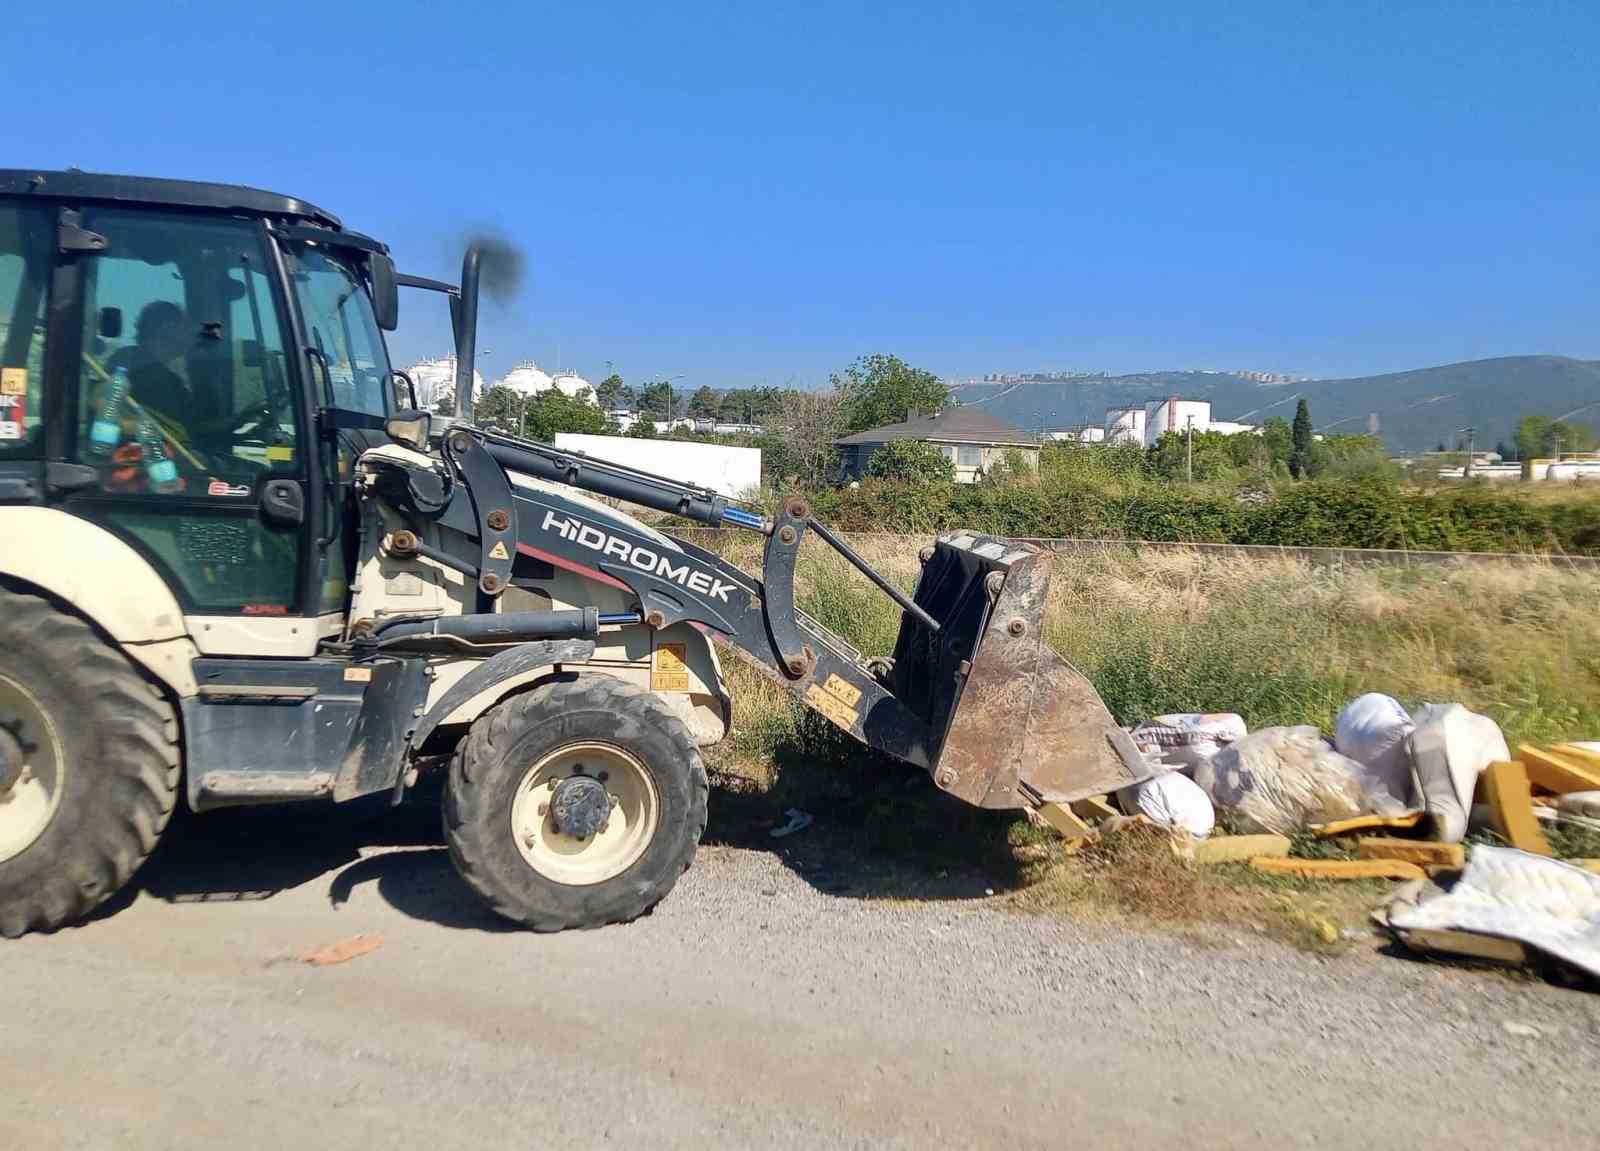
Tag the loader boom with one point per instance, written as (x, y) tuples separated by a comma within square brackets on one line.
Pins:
[(973, 695)]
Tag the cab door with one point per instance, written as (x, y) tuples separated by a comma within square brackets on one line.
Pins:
[(188, 422)]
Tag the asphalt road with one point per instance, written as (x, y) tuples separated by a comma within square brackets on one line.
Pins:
[(765, 1004)]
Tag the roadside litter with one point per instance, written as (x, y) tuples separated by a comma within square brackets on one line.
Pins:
[(343, 951), (798, 821), (1421, 797)]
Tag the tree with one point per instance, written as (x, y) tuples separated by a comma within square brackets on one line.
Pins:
[(551, 412), (1504, 451), (654, 398), (808, 423), (643, 428), (613, 393), (911, 461), (703, 404), (878, 390), (1300, 457), (1540, 436), (1168, 458), (499, 405)]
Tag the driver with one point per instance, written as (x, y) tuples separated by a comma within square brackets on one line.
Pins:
[(156, 365)]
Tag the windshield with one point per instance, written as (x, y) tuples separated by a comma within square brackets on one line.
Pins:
[(337, 315)]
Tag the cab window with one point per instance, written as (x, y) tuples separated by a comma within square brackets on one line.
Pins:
[(336, 312), (25, 243), (183, 385)]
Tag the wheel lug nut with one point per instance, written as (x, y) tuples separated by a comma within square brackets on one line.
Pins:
[(603, 776), (530, 840), (543, 807)]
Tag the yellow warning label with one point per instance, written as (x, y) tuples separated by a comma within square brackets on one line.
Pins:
[(848, 692), (279, 453), (669, 672), (831, 706), (498, 552), (13, 381), (358, 675)]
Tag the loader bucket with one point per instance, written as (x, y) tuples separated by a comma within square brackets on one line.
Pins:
[(1020, 725)]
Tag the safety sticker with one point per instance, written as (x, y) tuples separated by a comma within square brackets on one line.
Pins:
[(358, 675), (498, 552), (279, 454), (670, 672), (847, 692), (224, 488), (831, 706), (13, 381), (10, 430)]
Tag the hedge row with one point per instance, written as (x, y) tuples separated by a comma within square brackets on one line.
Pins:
[(1364, 513)]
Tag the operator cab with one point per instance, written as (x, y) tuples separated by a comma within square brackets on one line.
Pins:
[(193, 366)]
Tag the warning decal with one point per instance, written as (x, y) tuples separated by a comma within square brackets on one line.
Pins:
[(669, 672)]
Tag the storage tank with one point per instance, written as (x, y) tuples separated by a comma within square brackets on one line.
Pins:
[(526, 379), (572, 384), (1125, 425), (1174, 415), (435, 381)]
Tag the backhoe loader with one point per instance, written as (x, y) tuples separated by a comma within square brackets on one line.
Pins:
[(239, 563)]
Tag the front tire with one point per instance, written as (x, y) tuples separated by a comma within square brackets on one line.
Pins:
[(88, 766), (608, 758)]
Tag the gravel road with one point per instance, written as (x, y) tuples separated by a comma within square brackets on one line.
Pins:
[(757, 1007)]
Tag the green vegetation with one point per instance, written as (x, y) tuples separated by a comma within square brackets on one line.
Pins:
[(540, 417), (911, 461), (879, 389), (1540, 436)]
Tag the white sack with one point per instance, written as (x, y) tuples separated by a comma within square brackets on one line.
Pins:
[(1449, 749), (1282, 778), (1372, 730), (1171, 800), (1183, 739)]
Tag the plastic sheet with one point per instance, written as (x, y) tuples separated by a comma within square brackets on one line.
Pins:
[(1282, 778), (1183, 739)]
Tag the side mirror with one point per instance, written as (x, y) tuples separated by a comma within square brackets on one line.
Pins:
[(408, 428), (111, 323), (385, 291), (403, 400)]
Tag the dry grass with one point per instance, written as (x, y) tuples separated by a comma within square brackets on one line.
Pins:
[(1276, 639)]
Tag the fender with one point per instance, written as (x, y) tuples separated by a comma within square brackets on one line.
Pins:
[(509, 663), (106, 582)]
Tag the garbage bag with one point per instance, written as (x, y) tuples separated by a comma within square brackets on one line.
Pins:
[(1183, 739), (1372, 730), (1282, 778), (1171, 800), (1449, 749)]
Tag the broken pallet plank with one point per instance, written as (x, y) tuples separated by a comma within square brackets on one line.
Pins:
[(1366, 823), (1586, 756), (1466, 943), (1095, 807), (1339, 868), (1423, 852), (1557, 773), (1240, 848), (1505, 787), (1064, 821)]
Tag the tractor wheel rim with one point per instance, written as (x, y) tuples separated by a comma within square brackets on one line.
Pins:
[(564, 858), (31, 769)]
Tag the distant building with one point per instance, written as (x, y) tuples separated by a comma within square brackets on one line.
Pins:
[(1125, 426), (435, 381), (1082, 434), (970, 438), (528, 379)]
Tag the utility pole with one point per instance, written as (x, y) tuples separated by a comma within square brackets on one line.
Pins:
[(1466, 469), (1188, 460), (1557, 438)]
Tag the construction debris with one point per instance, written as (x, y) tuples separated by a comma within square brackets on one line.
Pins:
[(1240, 848), (1339, 868), (1449, 750), (1464, 944), (798, 821), (1505, 788), (1507, 894), (1172, 800), (1422, 852), (1366, 823), (1558, 773)]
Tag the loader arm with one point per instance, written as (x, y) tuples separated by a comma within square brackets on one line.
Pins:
[(973, 694)]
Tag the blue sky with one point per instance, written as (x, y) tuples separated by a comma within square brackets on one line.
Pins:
[(761, 192)]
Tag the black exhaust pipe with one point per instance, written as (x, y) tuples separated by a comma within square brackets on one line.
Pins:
[(466, 317)]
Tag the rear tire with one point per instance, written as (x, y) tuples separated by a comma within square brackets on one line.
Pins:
[(98, 748), (621, 744)]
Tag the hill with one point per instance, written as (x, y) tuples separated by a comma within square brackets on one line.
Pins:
[(1415, 409)]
